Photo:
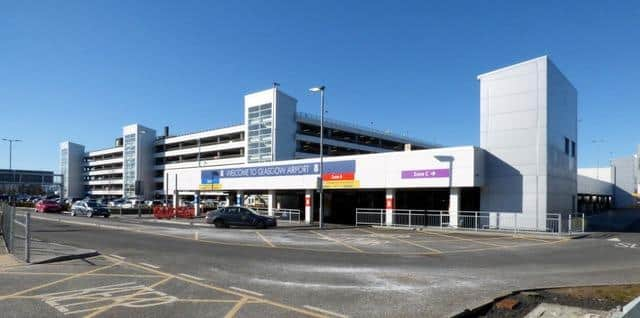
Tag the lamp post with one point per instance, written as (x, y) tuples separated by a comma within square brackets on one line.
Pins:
[(11, 141), (597, 142), (320, 89)]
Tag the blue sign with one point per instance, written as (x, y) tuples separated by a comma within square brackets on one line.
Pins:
[(214, 176)]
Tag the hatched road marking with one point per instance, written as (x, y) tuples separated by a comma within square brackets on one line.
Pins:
[(407, 242), (189, 276), (246, 291), (149, 265), (338, 241)]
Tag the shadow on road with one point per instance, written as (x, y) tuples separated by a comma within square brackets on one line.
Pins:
[(621, 220)]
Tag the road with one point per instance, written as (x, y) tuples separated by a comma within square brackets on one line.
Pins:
[(349, 279)]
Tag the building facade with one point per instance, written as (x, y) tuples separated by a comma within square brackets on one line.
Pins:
[(273, 130), (524, 168)]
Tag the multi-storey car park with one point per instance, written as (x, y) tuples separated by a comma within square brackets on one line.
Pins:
[(525, 166)]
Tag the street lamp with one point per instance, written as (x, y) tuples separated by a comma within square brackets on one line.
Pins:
[(320, 89), (10, 141), (597, 142)]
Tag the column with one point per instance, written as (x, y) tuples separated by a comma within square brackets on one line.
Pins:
[(271, 201), (196, 202), (308, 206), (454, 206), (389, 205), (240, 198), (175, 199)]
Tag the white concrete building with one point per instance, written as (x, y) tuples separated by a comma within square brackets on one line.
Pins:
[(525, 165)]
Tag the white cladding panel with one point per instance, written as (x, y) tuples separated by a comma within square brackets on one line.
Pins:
[(377, 171), (595, 181)]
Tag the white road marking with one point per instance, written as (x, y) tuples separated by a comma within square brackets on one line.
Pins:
[(615, 239), (189, 276), (246, 291), (627, 245), (150, 265), (117, 256), (324, 311)]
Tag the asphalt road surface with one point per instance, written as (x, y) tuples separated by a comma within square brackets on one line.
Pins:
[(168, 270)]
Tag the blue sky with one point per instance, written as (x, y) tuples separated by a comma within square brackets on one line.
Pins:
[(80, 70)]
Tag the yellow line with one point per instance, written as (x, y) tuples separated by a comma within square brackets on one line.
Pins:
[(232, 313), (338, 241), (102, 309), (464, 239), (407, 242), (69, 274), (265, 239), (58, 281)]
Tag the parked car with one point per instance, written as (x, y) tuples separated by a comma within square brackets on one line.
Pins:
[(238, 216), (116, 203), (89, 208), (152, 203), (48, 206), (130, 203)]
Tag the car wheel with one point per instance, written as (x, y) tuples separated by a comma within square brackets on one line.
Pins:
[(261, 225), (90, 214), (106, 216), (73, 213), (219, 223)]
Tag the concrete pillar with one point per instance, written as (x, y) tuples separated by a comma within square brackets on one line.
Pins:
[(175, 198), (271, 200), (390, 205), (196, 202), (240, 198), (308, 206), (454, 206)]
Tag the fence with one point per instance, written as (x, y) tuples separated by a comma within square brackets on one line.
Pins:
[(163, 212), (16, 230), (576, 223), (287, 215), (467, 220)]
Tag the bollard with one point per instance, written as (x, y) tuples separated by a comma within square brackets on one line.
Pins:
[(27, 237), (139, 212)]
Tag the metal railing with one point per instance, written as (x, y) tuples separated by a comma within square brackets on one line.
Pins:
[(365, 216), (287, 215), (576, 223), (466, 220), (12, 227)]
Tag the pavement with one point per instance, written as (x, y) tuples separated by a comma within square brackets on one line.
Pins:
[(355, 272)]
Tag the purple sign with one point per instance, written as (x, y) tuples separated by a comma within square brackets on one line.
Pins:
[(425, 173)]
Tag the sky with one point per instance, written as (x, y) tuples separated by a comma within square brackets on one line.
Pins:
[(80, 70)]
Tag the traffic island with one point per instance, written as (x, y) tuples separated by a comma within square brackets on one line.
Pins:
[(592, 301)]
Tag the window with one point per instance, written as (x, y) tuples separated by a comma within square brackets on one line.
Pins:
[(259, 130), (573, 149), (566, 145)]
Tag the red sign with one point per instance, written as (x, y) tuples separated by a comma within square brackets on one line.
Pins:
[(389, 203), (307, 201), (333, 176)]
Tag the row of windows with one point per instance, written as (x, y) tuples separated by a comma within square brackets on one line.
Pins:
[(345, 136), (207, 141), (314, 148), (103, 157), (211, 155), (569, 147), (260, 128)]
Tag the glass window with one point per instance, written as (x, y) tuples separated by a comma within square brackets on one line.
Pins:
[(260, 130), (573, 149), (566, 145)]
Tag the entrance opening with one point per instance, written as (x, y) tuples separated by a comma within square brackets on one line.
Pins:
[(340, 205)]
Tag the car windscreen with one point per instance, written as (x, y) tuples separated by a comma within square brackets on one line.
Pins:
[(94, 204)]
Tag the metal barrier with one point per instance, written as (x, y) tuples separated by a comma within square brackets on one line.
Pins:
[(163, 212), (288, 215), (576, 223), (365, 216), (467, 220), (11, 224)]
